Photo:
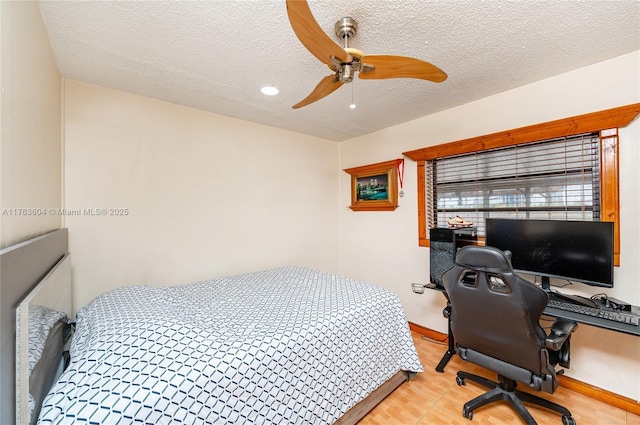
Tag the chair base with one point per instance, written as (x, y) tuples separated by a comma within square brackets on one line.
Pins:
[(506, 390)]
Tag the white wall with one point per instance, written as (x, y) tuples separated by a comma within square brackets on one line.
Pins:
[(30, 139), (207, 195), (30, 153), (382, 247)]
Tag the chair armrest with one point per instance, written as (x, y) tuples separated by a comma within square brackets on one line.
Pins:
[(563, 327), (560, 331), (447, 311)]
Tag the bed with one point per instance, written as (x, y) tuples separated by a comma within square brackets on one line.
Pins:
[(288, 345)]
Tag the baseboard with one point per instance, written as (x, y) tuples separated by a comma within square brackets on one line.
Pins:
[(572, 384), (599, 394), (429, 333)]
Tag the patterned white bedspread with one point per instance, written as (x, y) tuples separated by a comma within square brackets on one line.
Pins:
[(283, 346)]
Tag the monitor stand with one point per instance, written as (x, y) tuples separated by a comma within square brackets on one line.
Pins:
[(573, 299), (546, 284)]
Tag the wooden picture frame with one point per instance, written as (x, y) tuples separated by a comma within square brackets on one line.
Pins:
[(374, 187)]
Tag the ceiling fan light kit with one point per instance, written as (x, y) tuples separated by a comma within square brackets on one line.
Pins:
[(345, 62)]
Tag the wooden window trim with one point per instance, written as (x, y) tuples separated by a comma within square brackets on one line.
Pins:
[(606, 122)]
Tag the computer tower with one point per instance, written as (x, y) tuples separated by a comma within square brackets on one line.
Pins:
[(444, 243)]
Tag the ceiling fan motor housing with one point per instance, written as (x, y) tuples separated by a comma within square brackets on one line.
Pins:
[(346, 73)]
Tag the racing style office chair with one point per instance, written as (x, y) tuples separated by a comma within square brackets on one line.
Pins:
[(494, 317)]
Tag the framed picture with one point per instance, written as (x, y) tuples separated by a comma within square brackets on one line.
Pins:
[(374, 187)]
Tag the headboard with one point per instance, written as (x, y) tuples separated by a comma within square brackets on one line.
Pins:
[(22, 266)]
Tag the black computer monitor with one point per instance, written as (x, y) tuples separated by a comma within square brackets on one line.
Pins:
[(580, 251)]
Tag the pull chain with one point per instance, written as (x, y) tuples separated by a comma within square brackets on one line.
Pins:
[(353, 105)]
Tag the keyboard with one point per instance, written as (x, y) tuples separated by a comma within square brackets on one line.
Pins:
[(616, 316)]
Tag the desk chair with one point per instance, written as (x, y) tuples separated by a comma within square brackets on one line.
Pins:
[(494, 317)]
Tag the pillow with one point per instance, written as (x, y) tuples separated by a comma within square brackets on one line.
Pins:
[(41, 320), (48, 331)]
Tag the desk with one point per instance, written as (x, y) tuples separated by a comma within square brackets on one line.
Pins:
[(549, 311)]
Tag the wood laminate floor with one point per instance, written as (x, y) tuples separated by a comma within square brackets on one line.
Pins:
[(434, 398)]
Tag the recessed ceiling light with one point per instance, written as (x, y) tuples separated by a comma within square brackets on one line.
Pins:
[(270, 90)]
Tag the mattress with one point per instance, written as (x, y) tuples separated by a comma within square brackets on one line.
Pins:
[(284, 346)]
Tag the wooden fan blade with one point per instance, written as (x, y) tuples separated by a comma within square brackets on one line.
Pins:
[(311, 35), (390, 66), (327, 85)]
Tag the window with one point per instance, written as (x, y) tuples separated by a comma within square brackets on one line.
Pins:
[(565, 189), (553, 179)]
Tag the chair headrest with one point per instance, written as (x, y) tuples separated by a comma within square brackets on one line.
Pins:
[(485, 258)]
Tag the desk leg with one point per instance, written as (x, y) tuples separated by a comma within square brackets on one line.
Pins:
[(451, 347)]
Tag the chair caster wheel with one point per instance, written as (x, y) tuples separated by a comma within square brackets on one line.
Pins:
[(568, 420), (467, 413), (460, 381)]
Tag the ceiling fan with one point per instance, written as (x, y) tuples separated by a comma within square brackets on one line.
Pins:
[(345, 61)]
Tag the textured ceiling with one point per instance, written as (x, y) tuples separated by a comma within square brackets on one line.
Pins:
[(215, 55)]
